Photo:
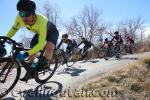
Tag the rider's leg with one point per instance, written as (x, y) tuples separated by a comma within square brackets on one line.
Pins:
[(51, 38), (30, 58), (117, 46), (85, 51), (130, 48), (68, 49), (33, 43), (49, 48)]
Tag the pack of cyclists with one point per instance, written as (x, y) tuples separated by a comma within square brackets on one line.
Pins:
[(117, 41)]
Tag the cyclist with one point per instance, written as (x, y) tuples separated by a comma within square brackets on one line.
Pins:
[(129, 44), (108, 47), (108, 43), (129, 40), (71, 44), (46, 33), (117, 37), (87, 45)]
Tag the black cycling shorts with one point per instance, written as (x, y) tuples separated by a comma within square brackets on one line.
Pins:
[(52, 35)]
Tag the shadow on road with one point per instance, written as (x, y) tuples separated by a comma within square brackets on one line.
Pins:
[(48, 91), (72, 71), (9, 98), (92, 61), (129, 58)]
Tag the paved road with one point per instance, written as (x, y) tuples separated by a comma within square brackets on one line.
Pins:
[(68, 78)]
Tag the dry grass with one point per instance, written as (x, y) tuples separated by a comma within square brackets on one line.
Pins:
[(131, 83)]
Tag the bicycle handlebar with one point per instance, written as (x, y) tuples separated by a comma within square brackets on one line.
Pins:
[(6, 39)]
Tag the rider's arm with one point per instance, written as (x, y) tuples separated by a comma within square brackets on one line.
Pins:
[(59, 44), (14, 28), (92, 44), (79, 44), (41, 40), (70, 42), (119, 38), (112, 39), (103, 44)]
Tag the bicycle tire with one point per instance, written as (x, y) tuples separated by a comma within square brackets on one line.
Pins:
[(8, 60), (74, 60), (42, 81)]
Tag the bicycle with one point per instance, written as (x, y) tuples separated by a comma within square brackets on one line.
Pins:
[(68, 59), (112, 51), (71, 58), (11, 66), (129, 48), (85, 54)]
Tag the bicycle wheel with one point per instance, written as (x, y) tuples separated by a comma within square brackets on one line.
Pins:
[(10, 71), (107, 53), (118, 54), (88, 56), (105, 56), (44, 75), (72, 59)]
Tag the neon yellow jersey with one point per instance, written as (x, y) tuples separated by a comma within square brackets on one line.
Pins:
[(39, 27)]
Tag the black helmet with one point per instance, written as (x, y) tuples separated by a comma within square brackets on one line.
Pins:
[(83, 38), (65, 36), (128, 37), (106, 39), (26, 6), (2, 51), (116, 32)]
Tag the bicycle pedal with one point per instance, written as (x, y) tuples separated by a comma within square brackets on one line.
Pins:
[(24, 80)]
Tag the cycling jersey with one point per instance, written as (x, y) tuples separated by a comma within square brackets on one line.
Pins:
[(118, 39), (86, 43), (130, 41), (109, 43), (71, 43), (39, 27)]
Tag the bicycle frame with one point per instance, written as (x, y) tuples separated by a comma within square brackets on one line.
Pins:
[(9, 62), (15, 50)]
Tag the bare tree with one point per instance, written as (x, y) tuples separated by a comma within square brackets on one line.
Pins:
[(52, 13), (26, 42), (132, 27), (87, 24), (110, 30)]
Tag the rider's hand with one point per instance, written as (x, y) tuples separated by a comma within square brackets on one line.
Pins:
[(55, 49), (22, 57), (1, 46), (1, 43)]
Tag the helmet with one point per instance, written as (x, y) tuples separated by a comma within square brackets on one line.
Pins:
[(65, 36), (2, 51), (83, 38), (106, 39), (116, 32), (128, 37), (26, 6)]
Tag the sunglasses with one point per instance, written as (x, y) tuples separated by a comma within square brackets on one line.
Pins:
[(24, 14)]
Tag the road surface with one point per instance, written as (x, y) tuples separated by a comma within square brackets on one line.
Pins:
[(68, 78)]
